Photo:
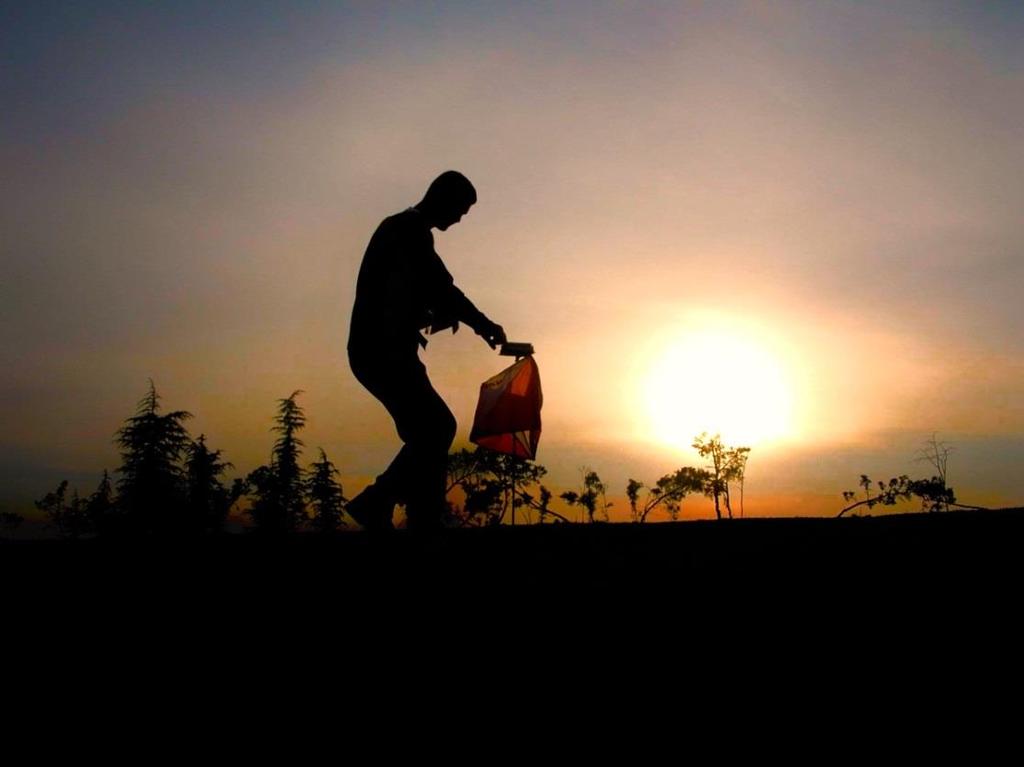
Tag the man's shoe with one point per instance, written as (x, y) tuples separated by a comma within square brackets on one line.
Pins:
[(372, 513), (422, 521)]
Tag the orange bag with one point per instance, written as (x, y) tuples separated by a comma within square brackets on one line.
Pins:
[(508, 414)]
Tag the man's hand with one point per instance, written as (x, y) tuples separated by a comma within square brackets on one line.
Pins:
[(493, 334)]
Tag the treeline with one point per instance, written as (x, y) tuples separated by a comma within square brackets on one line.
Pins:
[(171, 484), (934, 491)]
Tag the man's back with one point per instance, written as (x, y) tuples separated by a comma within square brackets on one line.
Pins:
[(389, 292), (403, 286)]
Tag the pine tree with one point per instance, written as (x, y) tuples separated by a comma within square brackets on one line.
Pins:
[(324, 494), (208, 501), (79, 516), (151, 489), (76, 523), (279, 505), (99, 507), (54, 507)]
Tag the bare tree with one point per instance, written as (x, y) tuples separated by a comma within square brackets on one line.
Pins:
[(736, 471), (936, 453)]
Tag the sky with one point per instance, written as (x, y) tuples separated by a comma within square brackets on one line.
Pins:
[(794, 223)]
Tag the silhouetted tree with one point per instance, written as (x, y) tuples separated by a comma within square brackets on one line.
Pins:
[(591, 498), (324, 494), (735, 471), (54, 506), (77, 517), (668, 492), (727, 465), (265, 510), (519, 475), (934, 492), (898, 488), (68, 516), (493, 484), (76, 521), (100, 506), (467, 471), (542, 505), (151, 490), (936, 453), (717, 482), (465, 468), (633, 488), (10, 522), (279, 505), (208, 501)]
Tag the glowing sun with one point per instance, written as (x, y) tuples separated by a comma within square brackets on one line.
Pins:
[(721, 382)]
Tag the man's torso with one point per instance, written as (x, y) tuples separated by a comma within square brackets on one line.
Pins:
[(401, 285)]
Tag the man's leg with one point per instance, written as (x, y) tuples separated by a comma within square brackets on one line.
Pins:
[(382, 375), (425, 504), (416, 476), (427, 427)]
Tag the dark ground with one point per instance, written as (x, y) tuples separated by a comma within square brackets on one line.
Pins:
[(955, 556), (856, 620), (912, 600)]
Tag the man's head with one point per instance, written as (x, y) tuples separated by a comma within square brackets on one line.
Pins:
[(447, 200)]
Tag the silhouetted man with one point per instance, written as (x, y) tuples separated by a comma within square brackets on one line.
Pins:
[(403, 289)]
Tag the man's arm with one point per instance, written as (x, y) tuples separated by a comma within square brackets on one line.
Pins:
[(466, 312), (452, 307)]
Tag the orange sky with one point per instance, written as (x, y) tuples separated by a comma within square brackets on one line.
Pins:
[(836, 188)]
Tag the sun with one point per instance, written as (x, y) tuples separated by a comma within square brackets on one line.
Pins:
[(719, 381)]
